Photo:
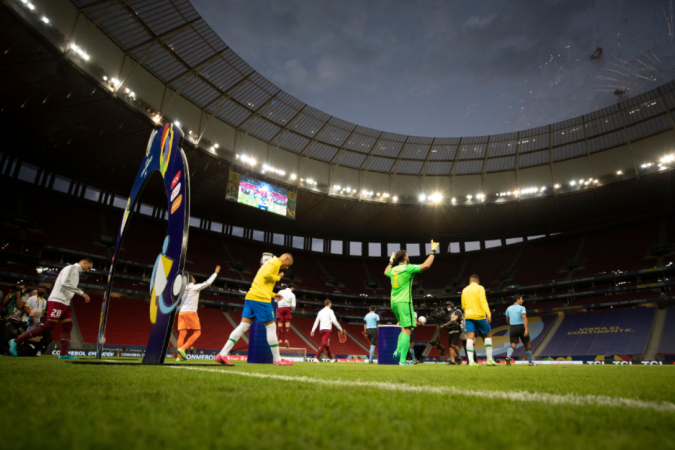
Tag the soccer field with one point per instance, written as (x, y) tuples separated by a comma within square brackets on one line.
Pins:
[(53, 404)]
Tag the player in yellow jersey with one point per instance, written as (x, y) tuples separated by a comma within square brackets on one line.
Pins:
[(258, 305), (477, 318)]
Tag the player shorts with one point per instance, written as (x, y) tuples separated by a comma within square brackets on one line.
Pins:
[(188, 320), (372, 335), (454, 339), (325, 337), (284, 314), (404, 314), (516, 333), (477, 325), (262, 312), (58, 311)]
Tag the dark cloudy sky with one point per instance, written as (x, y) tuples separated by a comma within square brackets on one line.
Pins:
[(451, 68)]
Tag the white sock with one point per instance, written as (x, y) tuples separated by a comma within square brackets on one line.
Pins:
[(272, 340), (469, 349), (488, 348), (234, 337)]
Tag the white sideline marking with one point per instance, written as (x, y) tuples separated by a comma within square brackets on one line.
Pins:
[(520, 396)]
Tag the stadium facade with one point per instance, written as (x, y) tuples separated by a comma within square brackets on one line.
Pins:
[(162, 62)]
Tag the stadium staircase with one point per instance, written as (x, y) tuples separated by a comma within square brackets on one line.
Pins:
[(578, 255), (356, 332), (510, 269), (309, 343), (655, 335), (231, 272), (234, 324), (353, 338), (549, 335)]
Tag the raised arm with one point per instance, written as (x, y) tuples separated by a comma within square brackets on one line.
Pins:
[(391, 263), (208, 282), (427, 264), (430, 259)]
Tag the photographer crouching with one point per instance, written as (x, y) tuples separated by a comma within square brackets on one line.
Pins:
[(12, 310), (454, 327)]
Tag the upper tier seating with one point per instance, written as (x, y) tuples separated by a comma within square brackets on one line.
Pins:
[(623, 248)]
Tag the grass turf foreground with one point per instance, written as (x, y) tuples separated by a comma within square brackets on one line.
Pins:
[(52, 404)]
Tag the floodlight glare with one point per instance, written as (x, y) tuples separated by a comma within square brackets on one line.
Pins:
[(423, 197)]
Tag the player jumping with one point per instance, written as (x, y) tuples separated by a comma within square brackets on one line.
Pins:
[(477, 318), (258, 305), (516, 316), (401, 273), (284, 309), (188, 319), (325, 320), (58, 307)]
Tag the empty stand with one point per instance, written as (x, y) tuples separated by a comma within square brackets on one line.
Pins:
[(611, 332), (348, 272), (667, 345), (89, 317), (622, 248), (488, 266), (541, 262)]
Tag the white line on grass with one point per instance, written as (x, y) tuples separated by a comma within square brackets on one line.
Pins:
[(520, 396)]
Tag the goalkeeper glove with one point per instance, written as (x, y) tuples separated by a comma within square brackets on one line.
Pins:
[(392, 259), (434, 247)]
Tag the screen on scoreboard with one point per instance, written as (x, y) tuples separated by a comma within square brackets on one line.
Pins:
[(261, 195)]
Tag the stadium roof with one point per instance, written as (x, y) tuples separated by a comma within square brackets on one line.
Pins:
[(175, 44), (60, 117)]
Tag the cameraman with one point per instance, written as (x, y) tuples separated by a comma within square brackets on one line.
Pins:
[(16, 298), (12, 314), (35, 346), (454, 327)]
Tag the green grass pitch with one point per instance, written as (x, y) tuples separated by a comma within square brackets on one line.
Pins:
[(52, 404)]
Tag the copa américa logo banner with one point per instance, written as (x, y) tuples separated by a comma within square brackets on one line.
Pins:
[(163, 156)]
